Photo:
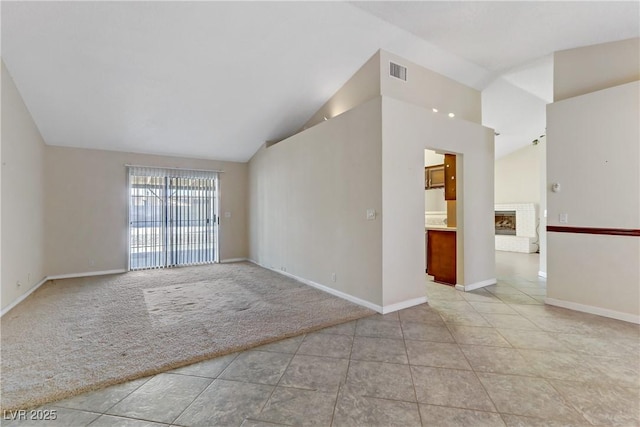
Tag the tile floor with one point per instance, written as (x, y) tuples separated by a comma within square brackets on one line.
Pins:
[(493, 357)]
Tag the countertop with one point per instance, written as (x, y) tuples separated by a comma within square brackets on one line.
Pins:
[(439, 228)]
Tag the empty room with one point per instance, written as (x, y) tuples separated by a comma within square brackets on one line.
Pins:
[(330, 213)]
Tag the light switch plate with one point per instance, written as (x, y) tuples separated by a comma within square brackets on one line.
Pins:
[(564, 218), (371, 214), (227, 214)]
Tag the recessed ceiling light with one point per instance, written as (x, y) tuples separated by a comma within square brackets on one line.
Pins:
[(325, 118), (435, 110), (451, 115)]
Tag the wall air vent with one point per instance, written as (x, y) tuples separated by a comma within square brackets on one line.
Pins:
[(398, 71)]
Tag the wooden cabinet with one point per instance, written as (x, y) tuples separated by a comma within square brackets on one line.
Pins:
[(449, 176), (433, 177), (441, 256)]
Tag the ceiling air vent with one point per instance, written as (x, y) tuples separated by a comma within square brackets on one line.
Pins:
[(398, 71)]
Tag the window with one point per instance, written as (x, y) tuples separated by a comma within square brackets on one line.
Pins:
[(173, 217)]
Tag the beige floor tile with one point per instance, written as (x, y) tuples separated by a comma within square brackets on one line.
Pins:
[(327, 345), (535, 340), (421, 314), (208, 368), (355, 410), (379, 350), (480, 296), (520, 421), (497, 307), (348, 328), (369, 327), (527, 396), (299, 407), (260, 367), (465, 318), (450, 387), (425, 332), (498, 360), (287, 345), (382, 380), (562, 365), (456, 417), (595, 346), (509, 321), (225, 403), (152, 402), (103, 399), (622, 372), (602, 405), (315, 373), (112, 421), (436, 354), (478, 336)]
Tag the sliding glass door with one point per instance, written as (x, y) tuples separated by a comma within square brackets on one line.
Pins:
[(172, 217)]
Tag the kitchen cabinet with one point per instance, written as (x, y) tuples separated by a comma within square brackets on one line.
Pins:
[(441, 255), (434, 177), (449, 176)]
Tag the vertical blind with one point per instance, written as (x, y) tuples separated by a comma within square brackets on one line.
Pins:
[(172, 217)]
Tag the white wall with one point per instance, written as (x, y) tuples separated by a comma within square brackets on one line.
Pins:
[(429, 89), (363, 86), (588, 69), (22, 196), (519, 116), (594, 153), (86, 207), (406, 131), (517, 176), (543, 208), (308, 197)]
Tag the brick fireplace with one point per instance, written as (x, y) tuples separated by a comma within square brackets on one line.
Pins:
[(516, 227)]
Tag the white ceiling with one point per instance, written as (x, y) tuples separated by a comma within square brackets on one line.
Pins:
[(218, 79)]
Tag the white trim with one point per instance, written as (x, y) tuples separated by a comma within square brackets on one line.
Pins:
[(542, 274), (605, 312), (477, 285), (228, 260), (87, 274), (326, 289), (404, 304), (22, 297)]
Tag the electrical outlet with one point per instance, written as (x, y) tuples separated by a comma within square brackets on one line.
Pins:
[(333, 277), (371, 214), (563, 218), (283, 268)]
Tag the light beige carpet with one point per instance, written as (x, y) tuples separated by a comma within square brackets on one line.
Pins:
[(76, 335)]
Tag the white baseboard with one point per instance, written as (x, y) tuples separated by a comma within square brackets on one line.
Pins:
[(55, 277), (542, 274), (86, 274), (380, 309), (404, 304), (605, 312), (477, 285), (23, 297), (228, 260), (326, 289)]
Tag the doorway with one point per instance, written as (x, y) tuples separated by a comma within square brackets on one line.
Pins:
[(173, 217)]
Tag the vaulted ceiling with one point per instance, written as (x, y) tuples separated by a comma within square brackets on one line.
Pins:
[(218, 79)]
